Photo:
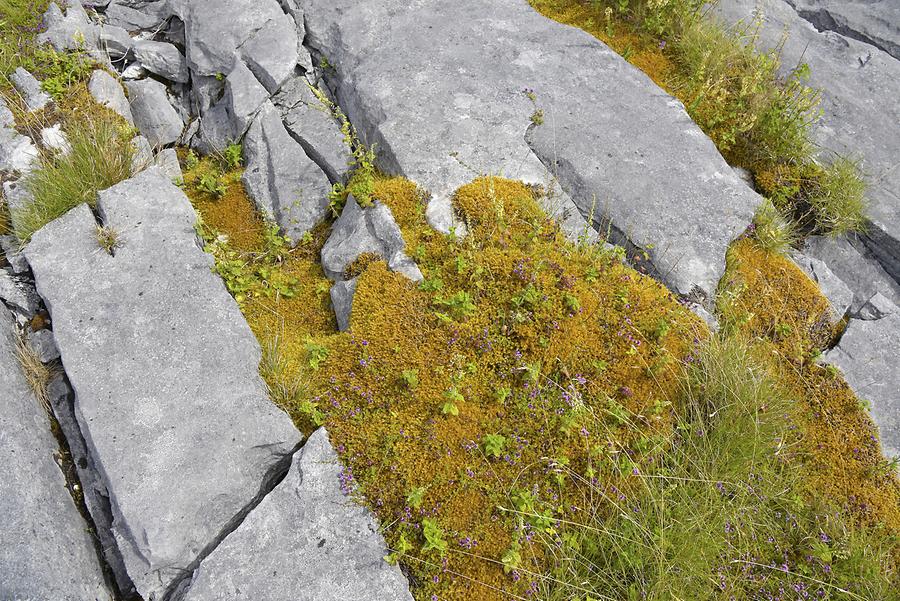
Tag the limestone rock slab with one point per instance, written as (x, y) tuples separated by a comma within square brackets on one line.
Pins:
[(162, 58), (108, 92), (47, 551), (860, 85), (305, 541), (310, 122), (72, 30), (33, 95), (153, 113), (876, 22), (285, 183), (608, 131), (869, 356), (165, 373)]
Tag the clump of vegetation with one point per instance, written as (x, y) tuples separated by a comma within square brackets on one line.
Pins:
[(108, 238), (36, 373), (100, 156), (759, 119), (773, 231)]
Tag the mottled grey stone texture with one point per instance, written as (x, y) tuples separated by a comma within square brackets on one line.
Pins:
[(860, 85), (153, 113), (869, 356), (162, 58), (46, 551), (34, 97), (164, 368), (876, 22), (285, 183), (616, 142), (305, 541), (108, 92)]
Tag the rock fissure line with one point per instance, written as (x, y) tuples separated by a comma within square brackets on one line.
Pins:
[(271, 480), (823, 20)]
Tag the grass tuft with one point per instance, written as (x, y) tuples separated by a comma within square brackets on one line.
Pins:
[(36, 373), (773, 231), (100, 156), (838, 198)]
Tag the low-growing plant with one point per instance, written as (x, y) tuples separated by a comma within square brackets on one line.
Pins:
[(434, 536), (774, 232), (108, 238), (493, 445), (211, 183), (838, 198), (100, 156)]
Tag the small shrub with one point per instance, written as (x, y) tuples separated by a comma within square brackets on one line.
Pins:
[(100, 157)]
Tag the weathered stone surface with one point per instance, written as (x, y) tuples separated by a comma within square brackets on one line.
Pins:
[(860, 85), (47, 552), (342, 301), (366, 230), (869, 356), (164, 368), (108, 92), (131, 19), (465, 108), (17, 152), (17, 262), (162, 58), (17, 196), (285, 183), (134, 70), (55, 138), (877, 307), (853, 264), (310, 123), (833, 288), (305, 541), (43, 345), (6, 116), (70, 31), (115, 41), (167, 162), (143, 154), (154, 115), (18, 295), (33, 96), (229, 119), (876, 22), (257, 30)]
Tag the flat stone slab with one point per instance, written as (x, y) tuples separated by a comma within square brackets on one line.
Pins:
[(165, 373), (869, 356), (616, 142), (876, 22), (162, 58), (305, 541), (153, 113), (282, 180), (860, 85), (47, 551)]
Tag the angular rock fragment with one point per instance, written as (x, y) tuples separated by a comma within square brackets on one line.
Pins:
[(168, 396), (229, 119), (154, 115), (859, 85), (877, 307), (496, 70), (18, 295), (366, 230), (310, 122), (306, 541), (55, 138), (850, 261), (73, 30), (17, 262), (143, 154), (43, 345), (257, 30), (869, 356), (17, 152), (342, 301), (876, 22), (167, 162), (130, 19), (6, 116), (108, 92), (285, 184), (115, 41), (33, 95), (161, 58), (47, 551), (833, 288)]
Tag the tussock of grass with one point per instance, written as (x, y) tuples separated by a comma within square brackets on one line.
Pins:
[(100, 156), (36, 373), (757, 118), (773, 231), (719, 514)]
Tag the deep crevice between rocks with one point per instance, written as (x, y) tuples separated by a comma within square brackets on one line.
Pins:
[(276, 474), (823, 21), (73, 462)]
